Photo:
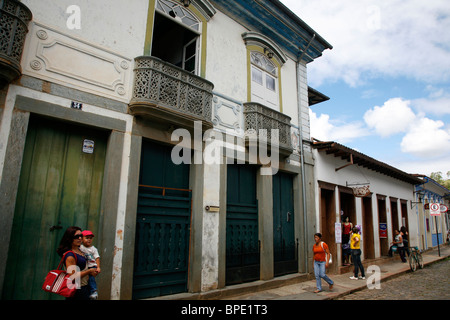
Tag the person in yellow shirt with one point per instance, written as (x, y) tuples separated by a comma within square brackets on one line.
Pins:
[(355, 247)]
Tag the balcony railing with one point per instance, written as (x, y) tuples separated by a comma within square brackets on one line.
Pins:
[(14, 19), (258, 116), (172, 94)]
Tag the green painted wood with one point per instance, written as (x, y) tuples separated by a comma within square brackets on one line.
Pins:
[(163, 224), (242, 234), (59, 185), (285, 244)]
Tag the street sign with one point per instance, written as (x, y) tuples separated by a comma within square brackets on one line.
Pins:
[(443, 208), (435, 209)]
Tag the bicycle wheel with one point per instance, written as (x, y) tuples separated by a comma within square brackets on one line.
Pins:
[(420, 260), (412, 262)]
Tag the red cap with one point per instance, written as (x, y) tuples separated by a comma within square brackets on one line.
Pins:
[(86, 233)]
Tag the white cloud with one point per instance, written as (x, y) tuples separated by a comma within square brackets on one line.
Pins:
[(423, 137), (395, 116), (427, 139), (324, 129), (437, 103), (378, 37)]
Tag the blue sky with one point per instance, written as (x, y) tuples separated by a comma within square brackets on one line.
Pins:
[(387, 76)]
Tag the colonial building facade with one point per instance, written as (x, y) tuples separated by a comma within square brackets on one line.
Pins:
[(176, 131)]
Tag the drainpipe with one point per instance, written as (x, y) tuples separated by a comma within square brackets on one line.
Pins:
[(302, 159)]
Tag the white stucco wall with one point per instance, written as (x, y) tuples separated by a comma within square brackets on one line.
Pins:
[(289, 90), (116, 25), (226, 64), (380, 184)]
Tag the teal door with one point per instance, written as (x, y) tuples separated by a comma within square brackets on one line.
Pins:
[(60, 186), (242, 245), (285, 244), (161, 258)]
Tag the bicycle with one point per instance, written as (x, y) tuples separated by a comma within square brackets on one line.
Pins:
[(415, 258)]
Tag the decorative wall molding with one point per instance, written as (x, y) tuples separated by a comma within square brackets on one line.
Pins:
[(60, 58), (227, 115)]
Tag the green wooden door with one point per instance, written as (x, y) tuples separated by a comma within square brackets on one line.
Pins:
[(242, 240), (161, 258), (285, 244), (60, 186)]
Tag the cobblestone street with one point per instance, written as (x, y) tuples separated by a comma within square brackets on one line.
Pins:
[(430, 283)]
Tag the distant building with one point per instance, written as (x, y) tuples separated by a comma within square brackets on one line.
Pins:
[(431, 228)]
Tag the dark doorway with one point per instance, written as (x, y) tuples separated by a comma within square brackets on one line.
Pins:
[(368, 239), (382, 219), (327, 220), (394, 215)]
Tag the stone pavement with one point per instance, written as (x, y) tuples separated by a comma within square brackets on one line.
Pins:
[(302, 287), (343, 285)]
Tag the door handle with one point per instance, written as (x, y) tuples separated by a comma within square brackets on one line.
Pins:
[(57, 227), (288, 216)]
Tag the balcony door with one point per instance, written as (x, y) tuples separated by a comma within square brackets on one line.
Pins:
[(176, 33), (264, 81)]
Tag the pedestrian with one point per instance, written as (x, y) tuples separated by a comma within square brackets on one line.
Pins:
[(404, 235), (346, 230), (93, 261), (355, 246), (321, 258), (398, 241), (71, 242)]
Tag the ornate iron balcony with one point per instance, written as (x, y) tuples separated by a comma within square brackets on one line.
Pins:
[(14, 19), (166, 92), (258, 116)]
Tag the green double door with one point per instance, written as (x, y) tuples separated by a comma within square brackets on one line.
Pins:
[(60, 186), (285, 245), (161, 258)]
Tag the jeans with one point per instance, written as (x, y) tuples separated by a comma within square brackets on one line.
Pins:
[(92, 283), (356, 257), (401, 252), (319, 272)]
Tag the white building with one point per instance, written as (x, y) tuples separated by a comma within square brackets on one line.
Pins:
[(93, 110), (377, 198)]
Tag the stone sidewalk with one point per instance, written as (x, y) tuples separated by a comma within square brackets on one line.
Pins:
[(302, 287)]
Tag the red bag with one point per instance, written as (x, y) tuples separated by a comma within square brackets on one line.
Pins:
[(58, 281)]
